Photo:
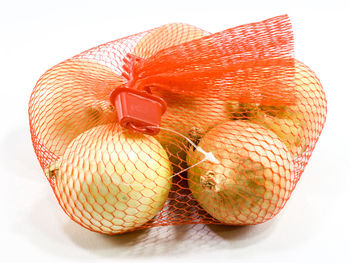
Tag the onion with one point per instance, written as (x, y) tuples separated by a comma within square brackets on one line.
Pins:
[(253, 178), (111, 180), (298, 125), (69, 99)]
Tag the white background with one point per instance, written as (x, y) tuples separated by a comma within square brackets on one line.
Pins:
[(35, 35)]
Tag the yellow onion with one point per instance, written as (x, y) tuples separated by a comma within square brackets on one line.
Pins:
[(297, 125), (112, 180), (69, 99), (253, 177)]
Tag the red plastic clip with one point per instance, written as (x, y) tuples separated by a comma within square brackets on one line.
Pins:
[(138, 110)]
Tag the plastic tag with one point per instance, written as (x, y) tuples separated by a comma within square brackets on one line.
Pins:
[(137, 110)]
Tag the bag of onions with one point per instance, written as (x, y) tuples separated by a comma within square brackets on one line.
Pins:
[(176, 125)]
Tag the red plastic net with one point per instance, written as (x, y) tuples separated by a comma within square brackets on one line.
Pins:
[(242, 119)]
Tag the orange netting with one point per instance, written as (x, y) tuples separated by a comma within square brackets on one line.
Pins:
[(242, 119)]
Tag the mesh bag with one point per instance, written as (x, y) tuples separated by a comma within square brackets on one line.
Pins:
[(178, 126)]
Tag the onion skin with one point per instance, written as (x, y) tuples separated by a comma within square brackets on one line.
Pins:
[(166, 36), (253, 180), (298, 126), (112, 181), (69, 99)]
